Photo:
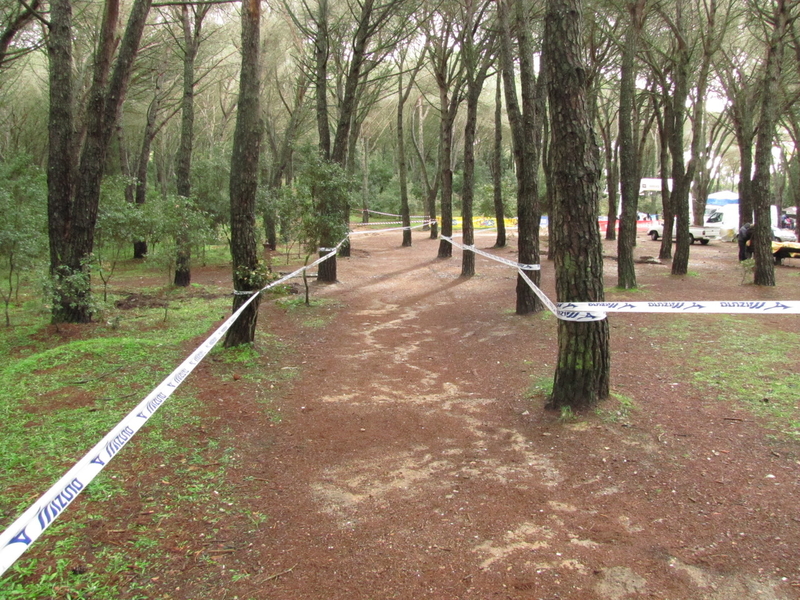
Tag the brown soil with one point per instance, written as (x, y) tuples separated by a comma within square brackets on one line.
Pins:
[(412, 460)]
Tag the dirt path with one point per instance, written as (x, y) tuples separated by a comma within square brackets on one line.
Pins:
[(410, 461)]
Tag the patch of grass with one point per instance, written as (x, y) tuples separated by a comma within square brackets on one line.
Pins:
[(297, 302), (72, 394), (616, 409), (566, 414), (314, 315), (756, 370), (246, 356), (735, 360), (542, 387), (59, 395), (216, 254), (616, 290)]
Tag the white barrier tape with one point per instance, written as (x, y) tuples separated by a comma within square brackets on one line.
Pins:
[(592, 311), (539, 293), (499, 259), (595, 311), (375, 212), (31, 524), (364, 231), (361, 211), (362, 224)]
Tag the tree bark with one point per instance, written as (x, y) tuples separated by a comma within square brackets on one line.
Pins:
[(327, 270), (244, 180), (497, 166), (764, 272), (403, 93), (321, 79), (525, 137), (682, 174), (183, 160), (612, 176), (143, 160), (582, 370), (432, 190), (532, 93), (449, 107), (477, 44), (629, 157), (61, 146), (661, 113), (745, 136), (468, 183), (105, 99)]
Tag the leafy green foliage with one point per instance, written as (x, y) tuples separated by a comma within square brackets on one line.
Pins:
[(312, 211), (210, 179), (119, 224), (484, 196), (70, 288), (172, 217), (23, 227)]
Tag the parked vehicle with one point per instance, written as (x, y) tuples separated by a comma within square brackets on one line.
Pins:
[(696, 234), (783, 235), (722, 210)]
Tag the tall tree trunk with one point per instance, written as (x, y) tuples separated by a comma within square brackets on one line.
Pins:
[(745, 134), (327, 269), (347, 108), (582, 370), (476, 45), (697, 146), (448, 106), (283, 159), (612, 178), (524, 129), (468, 182), (105, 99), (244, 180), (321, 52), (629, 157), (405, 213), (349, 99), (61, 145), (431, 190), (681, 174), (183, 160), (533, 93), (764, 273), (497, 166), (143, 160), (662, 120)]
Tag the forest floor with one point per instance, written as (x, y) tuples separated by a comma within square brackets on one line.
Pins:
[(413, 457)]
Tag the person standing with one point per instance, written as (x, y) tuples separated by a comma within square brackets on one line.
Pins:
[(743, 237)]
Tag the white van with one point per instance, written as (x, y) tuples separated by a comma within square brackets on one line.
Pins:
[(726, 218), (696, 234)]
